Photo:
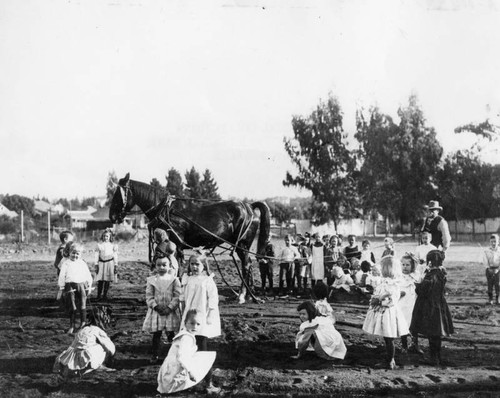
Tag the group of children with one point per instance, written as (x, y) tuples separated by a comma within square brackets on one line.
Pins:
[(317, 258), (407, 300), (187, 311), (74, 276), (405, 303)]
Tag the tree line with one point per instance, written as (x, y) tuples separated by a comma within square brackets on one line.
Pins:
[(389, 168)]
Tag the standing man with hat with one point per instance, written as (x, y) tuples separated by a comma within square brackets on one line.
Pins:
[(437, 226)]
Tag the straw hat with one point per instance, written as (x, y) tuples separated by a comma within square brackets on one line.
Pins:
[(434, 205)]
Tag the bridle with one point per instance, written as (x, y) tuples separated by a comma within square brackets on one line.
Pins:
[(124, 190)]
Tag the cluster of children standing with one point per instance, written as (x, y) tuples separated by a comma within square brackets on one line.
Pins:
[(315, 258), (406, 300), (185, 310)]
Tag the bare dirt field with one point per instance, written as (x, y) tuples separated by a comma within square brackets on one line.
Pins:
[(253, 354)]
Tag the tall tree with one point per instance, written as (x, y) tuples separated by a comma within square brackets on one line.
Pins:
[(399, 162), (156, 184), (174, 183), (193, 188), (17, 203), (110, 187), (209, 188), (325, 165)]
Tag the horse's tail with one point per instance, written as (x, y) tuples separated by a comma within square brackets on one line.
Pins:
[(264, 227)]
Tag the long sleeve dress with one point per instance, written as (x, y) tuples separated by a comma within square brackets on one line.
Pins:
[(89, 349), (200, 293), (182, 359), (328, 342), (407, 302), (431, 315), (386, 318), (318, 262), (162, 290), (106, 258)]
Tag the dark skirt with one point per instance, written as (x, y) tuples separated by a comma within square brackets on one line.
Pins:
[(431, 315)]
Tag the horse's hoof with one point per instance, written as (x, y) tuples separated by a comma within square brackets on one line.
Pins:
[(241, 299)]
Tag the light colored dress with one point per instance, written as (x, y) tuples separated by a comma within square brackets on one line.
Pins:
[(318, 262), (387, 318), (328, 342), (162, 290), (407, 302), (343, 282), (106, 258), (89, 349), (200, 293), (181, 359)]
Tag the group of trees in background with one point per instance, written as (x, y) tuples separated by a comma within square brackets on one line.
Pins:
[(389, 168)]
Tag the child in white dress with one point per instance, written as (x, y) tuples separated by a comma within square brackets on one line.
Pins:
[(407, 283), (318, 253), (200, 293), (317, 333), (184, 365), (384, 317), (163, 292), (323, 308), (90, 350), (106, 261)]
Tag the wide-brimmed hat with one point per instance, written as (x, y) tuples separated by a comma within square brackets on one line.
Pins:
[(434, 205)]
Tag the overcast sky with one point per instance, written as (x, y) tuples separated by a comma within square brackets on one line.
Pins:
[(141, 86)]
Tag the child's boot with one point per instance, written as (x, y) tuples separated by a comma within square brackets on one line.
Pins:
[(71, 323), (416, 348), (155, 348), (83, 318), (99, 289), (106, 288)]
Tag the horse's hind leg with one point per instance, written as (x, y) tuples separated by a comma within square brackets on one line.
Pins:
[(247, 277)]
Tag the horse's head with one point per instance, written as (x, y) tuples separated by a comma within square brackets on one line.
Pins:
[(122, 201)]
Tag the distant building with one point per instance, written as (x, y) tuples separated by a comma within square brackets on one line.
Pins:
[(41, 207), (284, 200), (57, 209), (78, 218), (6, 212)]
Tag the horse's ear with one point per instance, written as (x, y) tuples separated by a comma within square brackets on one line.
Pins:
[(126, 178)]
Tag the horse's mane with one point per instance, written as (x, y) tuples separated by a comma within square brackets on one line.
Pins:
[(147, 193)]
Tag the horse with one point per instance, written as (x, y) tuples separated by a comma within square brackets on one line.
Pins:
[(208, 226)]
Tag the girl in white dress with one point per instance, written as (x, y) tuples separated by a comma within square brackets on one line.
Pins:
[(384, 317), (106, 261), (90, 350), (200, 293), (317, 333), (318, 260), (184, 365), (407, 282)]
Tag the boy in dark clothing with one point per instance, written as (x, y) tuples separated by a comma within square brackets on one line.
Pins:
[(65, 237), (266, 267)]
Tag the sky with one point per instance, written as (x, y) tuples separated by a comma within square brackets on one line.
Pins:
[(141, 86)]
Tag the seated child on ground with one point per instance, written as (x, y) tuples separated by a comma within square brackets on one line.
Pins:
[(342, 280), (363, 278), (323, 308), (90, 350), (317, 333), (184, 365)]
